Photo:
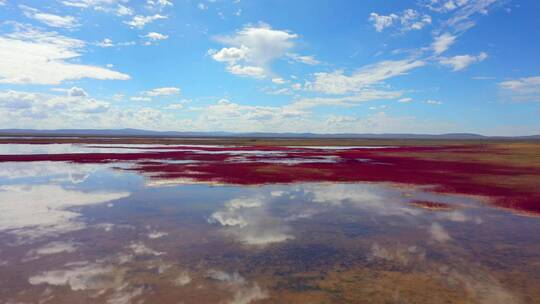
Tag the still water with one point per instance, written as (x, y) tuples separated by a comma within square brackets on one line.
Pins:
[(94, 233)]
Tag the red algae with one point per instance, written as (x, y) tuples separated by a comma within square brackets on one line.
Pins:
[(252, 165)]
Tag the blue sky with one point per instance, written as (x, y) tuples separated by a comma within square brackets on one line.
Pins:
[(425, 66)]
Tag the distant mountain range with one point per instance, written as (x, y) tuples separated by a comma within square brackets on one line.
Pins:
[(148, 133)]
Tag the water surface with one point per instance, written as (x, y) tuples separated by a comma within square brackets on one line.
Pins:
[(97, 233)]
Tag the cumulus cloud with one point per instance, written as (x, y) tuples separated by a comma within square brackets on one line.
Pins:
[(52, 20), (77, 92), (20, 109), (105, 43), (156, 36), (228, 115), (31, 56), (38, 105), (460, 62), (408, 20), (160, 4), (380, 22), (122, 10), (252, 49), (338, 83)]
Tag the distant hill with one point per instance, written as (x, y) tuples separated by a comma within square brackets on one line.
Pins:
[(148, 133)]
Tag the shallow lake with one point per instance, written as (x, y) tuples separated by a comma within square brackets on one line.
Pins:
[(98, 233)]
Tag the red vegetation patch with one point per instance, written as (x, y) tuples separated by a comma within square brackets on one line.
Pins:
[(429, 205), (271, 164)]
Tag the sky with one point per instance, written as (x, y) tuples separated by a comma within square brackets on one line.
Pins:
[(323, 66)]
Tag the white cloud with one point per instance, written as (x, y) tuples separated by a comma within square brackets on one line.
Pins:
[(77, 92), (460, 62), (160, 4), (226, 114), (246, 70), (47, 111), (38, 105), (165, 91), (140, 98), (338, 83), (442, 43), (433, 102), (310, 60), (405, 100), (408, 20), (122, 10), (278, 80), (522, 89), (461, 18), (380, 22), (174, 106), (49, 19), (359, 97), (230, 55), (106, 43), (98, 5), (140, 21), (35, 57), (252, 49), (412, 20), (156, 36), (445, 6), (525, 85)]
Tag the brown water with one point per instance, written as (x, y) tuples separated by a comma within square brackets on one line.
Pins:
[(86, 233)]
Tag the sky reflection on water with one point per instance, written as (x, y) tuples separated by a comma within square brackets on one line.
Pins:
[(87, 233)]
